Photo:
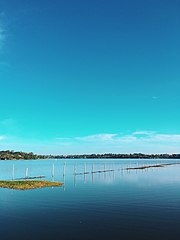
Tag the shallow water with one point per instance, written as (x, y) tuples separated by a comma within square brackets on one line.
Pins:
[(134, 204)]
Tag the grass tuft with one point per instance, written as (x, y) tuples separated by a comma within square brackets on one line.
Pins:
[(28, 184)]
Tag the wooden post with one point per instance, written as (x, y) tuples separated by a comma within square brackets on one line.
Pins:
[(75, 174), (92, 172), (92, 167), (75, 168), (119, 167), (85, 168), (26, 172), (113, 170), (99, 169), (53, 170), (84, 172), (64, 179), (104, 169), (64, 169)]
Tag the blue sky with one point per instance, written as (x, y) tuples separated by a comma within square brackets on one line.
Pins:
[(90, 76)]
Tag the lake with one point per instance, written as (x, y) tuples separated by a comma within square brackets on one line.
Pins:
[(119, 204)]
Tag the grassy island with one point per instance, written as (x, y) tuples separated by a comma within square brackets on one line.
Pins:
[(28, 184)]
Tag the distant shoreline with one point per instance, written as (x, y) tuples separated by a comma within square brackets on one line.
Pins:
[(12, 155)]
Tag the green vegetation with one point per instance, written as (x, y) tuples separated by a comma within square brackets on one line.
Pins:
[(11, 155), (28, 184), (122, 156)]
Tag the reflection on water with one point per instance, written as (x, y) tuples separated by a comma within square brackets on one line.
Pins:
[(100, 199)]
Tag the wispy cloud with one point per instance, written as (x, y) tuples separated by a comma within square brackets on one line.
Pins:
[(139, 137), (169, 138), (143, 133), (139, 141), (2, 137), (97, 137)]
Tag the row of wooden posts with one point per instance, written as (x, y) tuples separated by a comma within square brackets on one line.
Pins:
[(27, 171), (92, 171), (110, 169)]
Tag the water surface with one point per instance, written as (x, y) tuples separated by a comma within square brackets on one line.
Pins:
[(136, 204)]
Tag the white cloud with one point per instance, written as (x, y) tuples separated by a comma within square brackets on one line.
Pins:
[(140, 141), (97, 137), (126, 139), (134, 137), (169, 138), (143, 133), (2, 138)]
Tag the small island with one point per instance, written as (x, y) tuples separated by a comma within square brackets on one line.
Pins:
[(28, 184)]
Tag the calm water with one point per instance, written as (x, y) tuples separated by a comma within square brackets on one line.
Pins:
[(136, 204)]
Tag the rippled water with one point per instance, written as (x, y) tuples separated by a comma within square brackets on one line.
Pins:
[(136, 204)]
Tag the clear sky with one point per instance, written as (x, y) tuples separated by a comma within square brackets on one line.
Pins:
[(90, 76)]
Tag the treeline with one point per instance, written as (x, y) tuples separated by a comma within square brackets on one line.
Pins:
[(122, 156), (12, 155)]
